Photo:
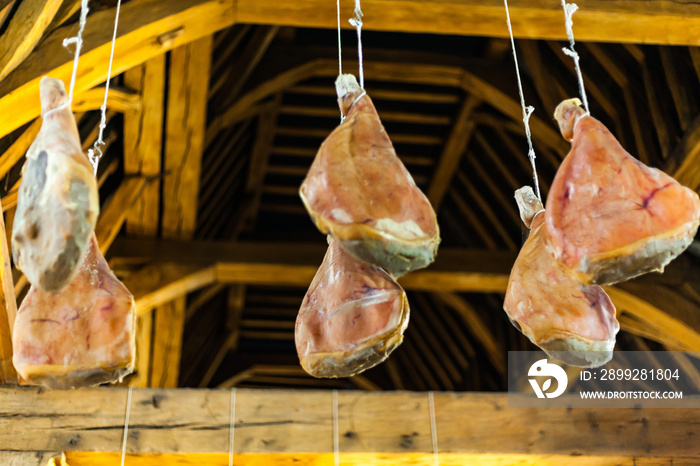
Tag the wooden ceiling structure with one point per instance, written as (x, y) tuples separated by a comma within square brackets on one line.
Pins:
[(217, 108)]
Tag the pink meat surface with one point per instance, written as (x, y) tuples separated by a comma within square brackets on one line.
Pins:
[(352, 317), (57, 203), (572, 322), (359, 191), (609, 216), (81, 337)]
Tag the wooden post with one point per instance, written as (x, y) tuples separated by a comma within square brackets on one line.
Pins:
[(8, 311)]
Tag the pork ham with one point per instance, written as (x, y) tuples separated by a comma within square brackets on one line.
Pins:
[(352, 317), (570, 321), (610, 217), (57, 203), (359, 191), (81, 337)]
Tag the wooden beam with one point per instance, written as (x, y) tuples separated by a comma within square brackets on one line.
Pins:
[(119, 100), (184, 136), (8, 310), (652, 21), (147, 28), (168, 325), (480, 331), (452, 152), (144, 345), (143, 138), (286, 421), (24, 31), (117, 208), (684, 161)]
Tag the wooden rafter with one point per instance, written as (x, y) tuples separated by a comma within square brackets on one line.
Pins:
[(24, 32), (8, 310), (454, 271), (452, 152), (143, 137), (184, 136)]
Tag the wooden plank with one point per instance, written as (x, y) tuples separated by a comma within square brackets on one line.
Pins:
[(8, 310), (279, 421), (24, 31), (143, 137), (144, 345), (452, 152), (168, 324), (147, 28), (116, 209), (184, 136), (120, 100)]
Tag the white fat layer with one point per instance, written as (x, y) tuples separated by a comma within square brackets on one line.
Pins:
[(341, 216), (407, 229)]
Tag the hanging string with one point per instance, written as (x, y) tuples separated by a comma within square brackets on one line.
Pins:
[(231, 426), (433, 428), (126, 424), (336, 443), (78, 41), (357, 22), (95, 159), (569, 10), (340, 50), (527, 111)]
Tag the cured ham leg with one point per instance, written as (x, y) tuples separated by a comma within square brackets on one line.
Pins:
[(81, 337), (610, 217), (353, 316), (359, 191), (570, 321), (57, 203)]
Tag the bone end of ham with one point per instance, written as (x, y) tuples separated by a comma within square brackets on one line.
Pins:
[(352, 317), (610, 217), (57, 204), (81, 337), (572, 322), (359, 191), (567, 115), (528, 205)]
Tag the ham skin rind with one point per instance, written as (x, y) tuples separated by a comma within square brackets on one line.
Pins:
[(57, 203), (572, 322), (83, 336), (352, 317), (360, 192), (610, 217)]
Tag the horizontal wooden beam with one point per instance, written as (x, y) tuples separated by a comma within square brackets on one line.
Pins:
[(650, 21), (275, 421), (328, 459), (177, 267)]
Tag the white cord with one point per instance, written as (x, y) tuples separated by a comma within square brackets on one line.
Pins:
[(527, 111), (340, 55), (231, 427), (78, 41), (433, 428), (357, 22), (336, 443), (126, 424), (95, 159), (569, 10)]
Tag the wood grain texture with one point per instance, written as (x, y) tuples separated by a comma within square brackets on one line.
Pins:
[(147, 28), (143, 138), (168, 324), (24, 32), (184, 136), (293, 422), (8, 310)]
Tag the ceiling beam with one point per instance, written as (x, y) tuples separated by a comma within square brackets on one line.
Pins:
[(8, 310), (175, 421)]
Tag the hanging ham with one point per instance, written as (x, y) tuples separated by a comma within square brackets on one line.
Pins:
[(570, 321), (610, 217), (353, 316), (57, 203), (359, 191), (83, 336)]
